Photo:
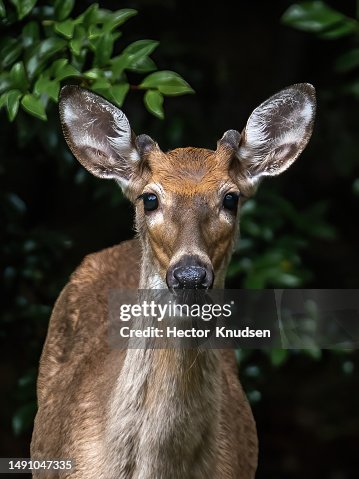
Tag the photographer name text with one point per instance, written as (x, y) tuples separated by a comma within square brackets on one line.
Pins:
[(175, 332)]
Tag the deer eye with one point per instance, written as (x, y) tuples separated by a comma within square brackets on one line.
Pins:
[(150, 201), (230, 201)]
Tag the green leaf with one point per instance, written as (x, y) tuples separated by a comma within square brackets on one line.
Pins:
[(57, 66), (23, 7), (34, 106), (2, 9), (30, 34), (65, 28), (46, 50), (18, 77), (5, 82), (89, 16), (12, 103), (173, 90), (65, 72), (135, 57), (63, 8), (68, 71), (312, 16), (76, 45), (51, 88), (118, 93), (23, 418), (287, 280), (118, 18), (314, 352), (94, 74), (340, 30), (3, 100), (119, 64), (167, 82), (154, 100), (10, 52), (94, 32), (101, 84), (278, 356), (60, 69), (79, 40), (50, 46), (142, 48), (103, 49), (144, 65), (94, 15)]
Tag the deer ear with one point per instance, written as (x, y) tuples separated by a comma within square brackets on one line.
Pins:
[(277, 132), (99, 135)]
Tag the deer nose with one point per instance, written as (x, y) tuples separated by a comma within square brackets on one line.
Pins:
[(189, 277)]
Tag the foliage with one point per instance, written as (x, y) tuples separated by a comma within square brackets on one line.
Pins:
[(279, 262), (320, 19), (52, 47), (263, 262), (273, 234), (328, 24), (47, 45)]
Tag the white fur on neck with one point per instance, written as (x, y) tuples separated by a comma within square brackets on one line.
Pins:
[(164, 409), (152, 431)]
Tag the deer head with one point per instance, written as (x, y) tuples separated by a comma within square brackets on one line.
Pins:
[(187, 200)]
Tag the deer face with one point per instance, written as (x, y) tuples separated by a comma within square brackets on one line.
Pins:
[(187, 200), (187, 212)]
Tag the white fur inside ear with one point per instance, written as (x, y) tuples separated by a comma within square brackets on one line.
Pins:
[(278, 131), (99, 135), (82, 128), (69, 113), (122, 142), (87, 123)]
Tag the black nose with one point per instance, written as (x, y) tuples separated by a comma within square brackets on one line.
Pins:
[(192, 276)]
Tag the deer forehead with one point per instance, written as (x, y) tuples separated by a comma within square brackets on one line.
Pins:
[(189, 171)]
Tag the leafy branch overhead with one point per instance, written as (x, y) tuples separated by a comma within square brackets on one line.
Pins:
[(53, 47), (320, 18)]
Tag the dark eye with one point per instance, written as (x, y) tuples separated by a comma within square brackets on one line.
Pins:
[(230, 201), (150, 201)]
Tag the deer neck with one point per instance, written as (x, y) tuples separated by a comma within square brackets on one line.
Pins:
[(164, 415)]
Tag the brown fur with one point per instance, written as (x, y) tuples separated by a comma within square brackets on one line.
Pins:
[(78, 372), (193, 171), (150, 413), (191, 179)]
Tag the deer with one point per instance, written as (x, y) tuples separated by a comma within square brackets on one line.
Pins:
[(157, 413)]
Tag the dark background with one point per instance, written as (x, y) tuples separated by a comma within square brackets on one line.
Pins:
[(235, 55)]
